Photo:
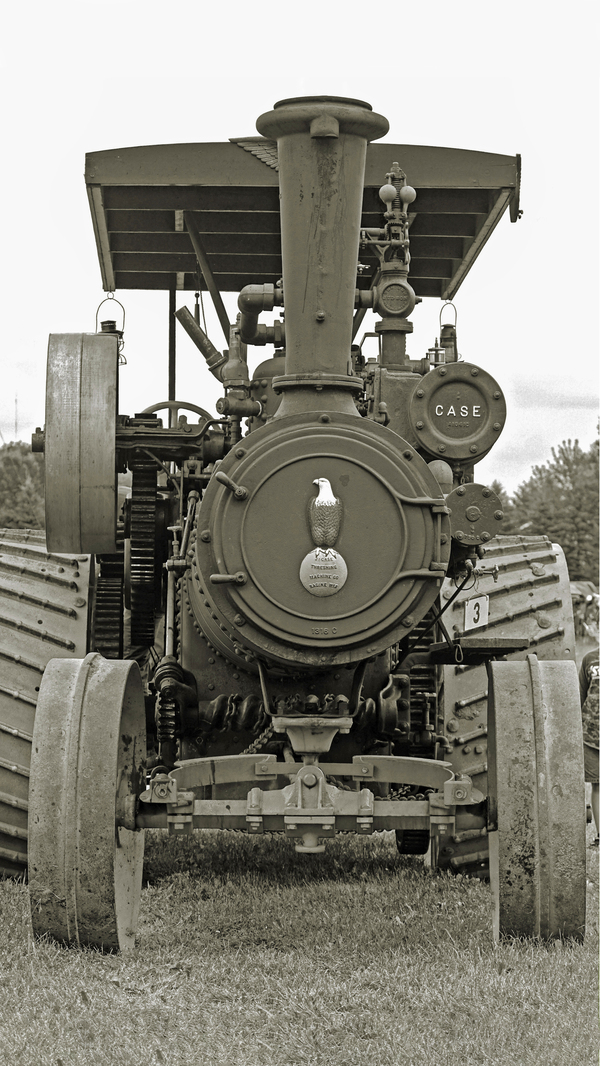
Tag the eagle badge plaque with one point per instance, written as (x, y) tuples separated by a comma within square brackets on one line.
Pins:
[(323, 571)]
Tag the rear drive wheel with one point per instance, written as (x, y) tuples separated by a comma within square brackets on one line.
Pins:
[(536, 799), (87, 769)]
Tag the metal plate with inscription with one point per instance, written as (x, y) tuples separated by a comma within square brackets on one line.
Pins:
[(323, 572), (476, 612)]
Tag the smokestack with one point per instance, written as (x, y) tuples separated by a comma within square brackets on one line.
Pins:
[(322, 146)]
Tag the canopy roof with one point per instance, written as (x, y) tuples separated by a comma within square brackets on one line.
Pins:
[(138, 196)]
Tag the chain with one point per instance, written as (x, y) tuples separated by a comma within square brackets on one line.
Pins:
[(260, 740)]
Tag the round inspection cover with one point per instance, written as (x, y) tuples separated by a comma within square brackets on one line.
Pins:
[(475, 514), (457, 411), (332, 550)]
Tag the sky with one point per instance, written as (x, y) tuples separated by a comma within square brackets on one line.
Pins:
[(83, 77)]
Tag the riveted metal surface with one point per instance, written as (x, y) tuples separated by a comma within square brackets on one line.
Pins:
[(44, 611), (457, 411), (536, 800), (87, 768), (387, 543), (81, 410)]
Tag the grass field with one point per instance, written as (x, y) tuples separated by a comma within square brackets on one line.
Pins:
[(251, 955)]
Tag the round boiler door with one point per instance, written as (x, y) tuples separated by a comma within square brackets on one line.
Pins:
[(337, 539)]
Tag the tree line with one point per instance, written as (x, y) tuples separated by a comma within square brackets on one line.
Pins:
[(560, 500)]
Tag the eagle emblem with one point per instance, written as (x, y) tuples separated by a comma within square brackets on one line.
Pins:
[(325, 515), (323, 571)]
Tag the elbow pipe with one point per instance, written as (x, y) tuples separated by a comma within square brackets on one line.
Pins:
[(214, 358), (252, 300)]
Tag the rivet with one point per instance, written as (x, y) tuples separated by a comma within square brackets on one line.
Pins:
[(236, 677), (239, 621), (407, 455), (459, 535), (497, 426), (442, 371), (210, 686), (264, 383), (320, 316), (420, 425), (498, 515), (460, 490), (474, 372), (441, 447), (486, 492), (473, 448), (211, 660), (325, 418), (443, 539), (496, 395), (486, 536), (240, 453), (205, 536), (408, 621), (420, 393)]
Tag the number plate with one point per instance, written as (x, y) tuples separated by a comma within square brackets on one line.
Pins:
[(476, 612)]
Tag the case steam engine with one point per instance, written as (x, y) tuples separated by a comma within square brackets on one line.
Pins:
[(291, 615)]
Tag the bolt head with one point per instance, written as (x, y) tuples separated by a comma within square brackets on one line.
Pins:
[(310, 780)]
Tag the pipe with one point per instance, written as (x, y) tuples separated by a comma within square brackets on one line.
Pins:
[(207, 273), (322, 145), (252, 300), (214, 358)]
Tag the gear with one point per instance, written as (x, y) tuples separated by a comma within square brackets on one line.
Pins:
[(108, 606), (142, 554)]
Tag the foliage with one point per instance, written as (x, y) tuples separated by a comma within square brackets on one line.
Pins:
[(21, 487), (560, 499)]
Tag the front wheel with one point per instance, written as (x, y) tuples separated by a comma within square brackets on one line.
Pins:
[(87, 769), (536, 800)]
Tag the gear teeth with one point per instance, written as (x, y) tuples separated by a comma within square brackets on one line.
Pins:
[(143, 552)]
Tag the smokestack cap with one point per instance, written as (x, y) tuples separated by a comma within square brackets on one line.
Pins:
[(322, 116)]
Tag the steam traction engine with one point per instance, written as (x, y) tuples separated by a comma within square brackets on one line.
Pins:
[(303, 619)]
